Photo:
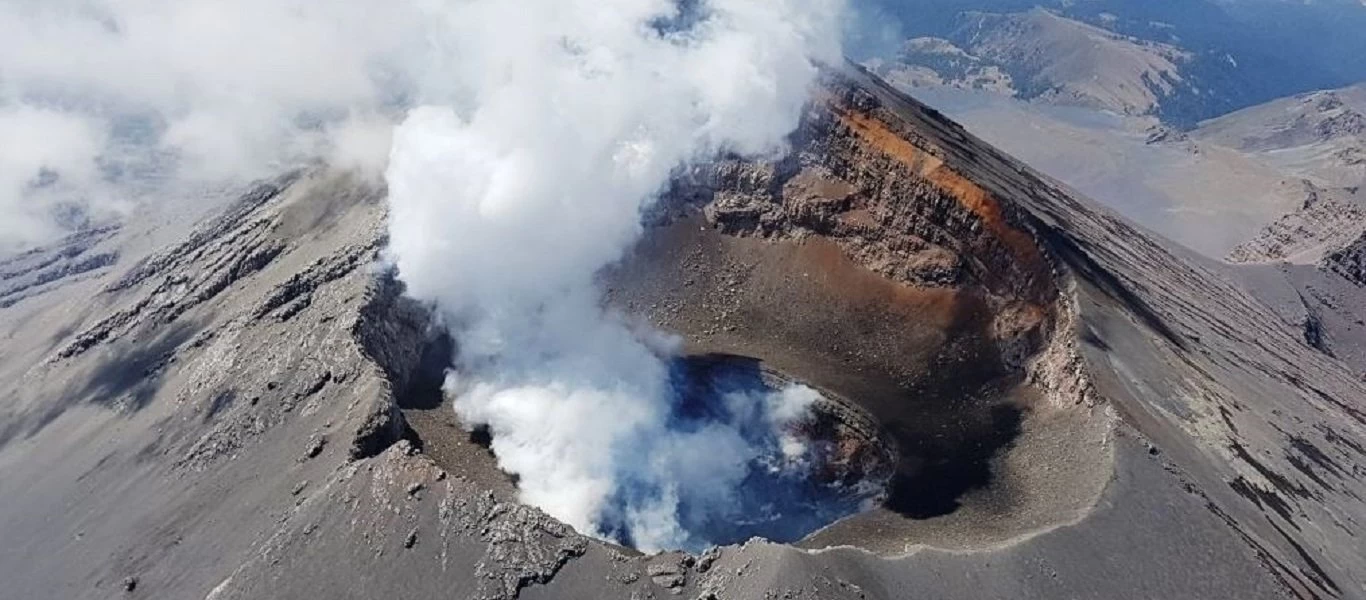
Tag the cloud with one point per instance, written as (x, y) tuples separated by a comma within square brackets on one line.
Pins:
[(38, 145), (113, 98)]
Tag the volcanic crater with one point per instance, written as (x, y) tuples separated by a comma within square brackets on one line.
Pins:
[(921, 307)]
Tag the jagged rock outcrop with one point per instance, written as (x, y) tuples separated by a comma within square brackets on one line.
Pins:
[(78, 256), (1328, 220), (1349, 261)]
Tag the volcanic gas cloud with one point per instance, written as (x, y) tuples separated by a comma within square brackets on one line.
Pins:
[(565, 120)]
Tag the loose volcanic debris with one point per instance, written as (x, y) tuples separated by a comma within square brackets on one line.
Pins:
[(525, 546), (668, 574)]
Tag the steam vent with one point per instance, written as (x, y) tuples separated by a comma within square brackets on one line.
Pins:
[(1014, 394)]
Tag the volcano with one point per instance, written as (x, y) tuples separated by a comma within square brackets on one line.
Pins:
[(1049, 401)]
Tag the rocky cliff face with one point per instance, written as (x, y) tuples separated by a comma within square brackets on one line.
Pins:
[(1081, 411), (1349, 261), (1329, 220)]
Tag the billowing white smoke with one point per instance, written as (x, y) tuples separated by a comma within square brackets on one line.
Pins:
[(568, 118)]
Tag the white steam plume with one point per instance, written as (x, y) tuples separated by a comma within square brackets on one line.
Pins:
[(566, 119)]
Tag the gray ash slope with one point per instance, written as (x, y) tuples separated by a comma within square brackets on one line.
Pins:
[(232, 417)]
